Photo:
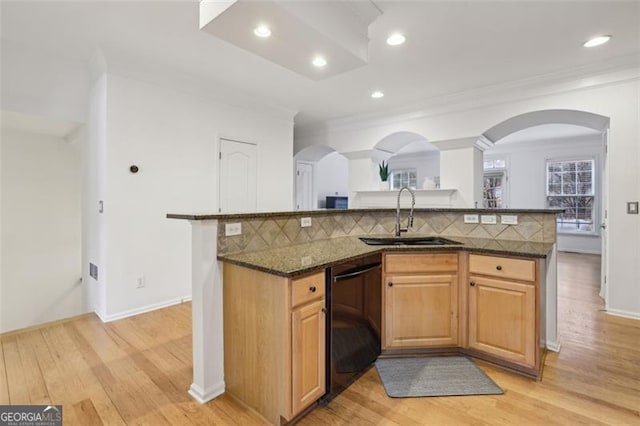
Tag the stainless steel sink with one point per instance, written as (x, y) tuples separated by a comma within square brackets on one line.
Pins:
[(407, 241)]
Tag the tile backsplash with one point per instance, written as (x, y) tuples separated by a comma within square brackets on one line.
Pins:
[(278, 231)]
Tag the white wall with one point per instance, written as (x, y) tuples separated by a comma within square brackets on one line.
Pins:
[(527, 177), (173, 138), (41, 230), (616, 96), (332, 177)]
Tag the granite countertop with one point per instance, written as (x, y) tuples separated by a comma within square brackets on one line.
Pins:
[(299, 259), (227, 216)]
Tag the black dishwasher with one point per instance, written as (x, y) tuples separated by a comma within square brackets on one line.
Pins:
[(354, 300)]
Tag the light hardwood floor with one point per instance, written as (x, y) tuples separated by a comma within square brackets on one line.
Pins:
[(138, 370)]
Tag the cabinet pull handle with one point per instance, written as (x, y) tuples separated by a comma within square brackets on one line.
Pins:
[(499, 268), (312, 289), (390, 284), (472, 283), (324, 310)]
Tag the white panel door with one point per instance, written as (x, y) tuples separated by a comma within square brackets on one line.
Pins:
[(304, 186), (238, 177)]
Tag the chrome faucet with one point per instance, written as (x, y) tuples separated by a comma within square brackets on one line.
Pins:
[(400, 230)]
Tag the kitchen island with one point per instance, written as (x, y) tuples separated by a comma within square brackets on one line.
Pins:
[(515, 262)]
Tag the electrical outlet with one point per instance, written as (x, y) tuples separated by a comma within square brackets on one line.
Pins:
[(305, 222), (141, 282), (509, 219), (231, 229), (488, 219), (471, 218), (632, 207)]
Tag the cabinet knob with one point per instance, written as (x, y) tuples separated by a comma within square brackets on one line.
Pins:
[(499, 268), (312, 289), (324, 310), (390, 284), (472, 283)]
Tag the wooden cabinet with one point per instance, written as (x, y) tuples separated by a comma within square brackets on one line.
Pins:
[(308, 354), (274, 340), (420, 300), (502, 319)]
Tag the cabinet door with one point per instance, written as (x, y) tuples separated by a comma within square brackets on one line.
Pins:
[(502, 319), (421, 311), (308, 354)]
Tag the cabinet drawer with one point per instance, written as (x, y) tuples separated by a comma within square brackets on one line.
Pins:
[(410, 263), (307, 288), (504, 267)]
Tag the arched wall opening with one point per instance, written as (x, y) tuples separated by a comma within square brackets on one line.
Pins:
[(412, 159), (534, 164)]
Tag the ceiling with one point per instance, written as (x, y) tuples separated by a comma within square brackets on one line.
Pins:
[(452, 47)]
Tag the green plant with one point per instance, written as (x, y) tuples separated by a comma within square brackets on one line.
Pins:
[(384, 171)]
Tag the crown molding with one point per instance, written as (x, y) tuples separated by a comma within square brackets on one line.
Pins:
[(616, 71)]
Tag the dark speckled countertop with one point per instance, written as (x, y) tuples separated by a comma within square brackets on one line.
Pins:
[(239, 216), (299, 259)]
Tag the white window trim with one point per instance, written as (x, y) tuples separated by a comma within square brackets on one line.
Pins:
[(596, 192)]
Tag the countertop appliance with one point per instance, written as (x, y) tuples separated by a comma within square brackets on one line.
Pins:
[(354, 320)]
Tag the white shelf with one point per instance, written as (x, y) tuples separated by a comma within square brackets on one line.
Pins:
[(388, 199)]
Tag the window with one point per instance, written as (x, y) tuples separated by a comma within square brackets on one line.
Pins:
[(570, 186), (495, 163), (400, 178)]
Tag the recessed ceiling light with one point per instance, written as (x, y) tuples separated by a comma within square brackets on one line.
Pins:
[(319, 62), (597, 41), (262, 31), (395, 39), (377, 94)]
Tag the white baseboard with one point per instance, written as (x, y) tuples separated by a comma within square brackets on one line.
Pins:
[(143, 309), (203, 396), (625, 314), (553, 346)]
